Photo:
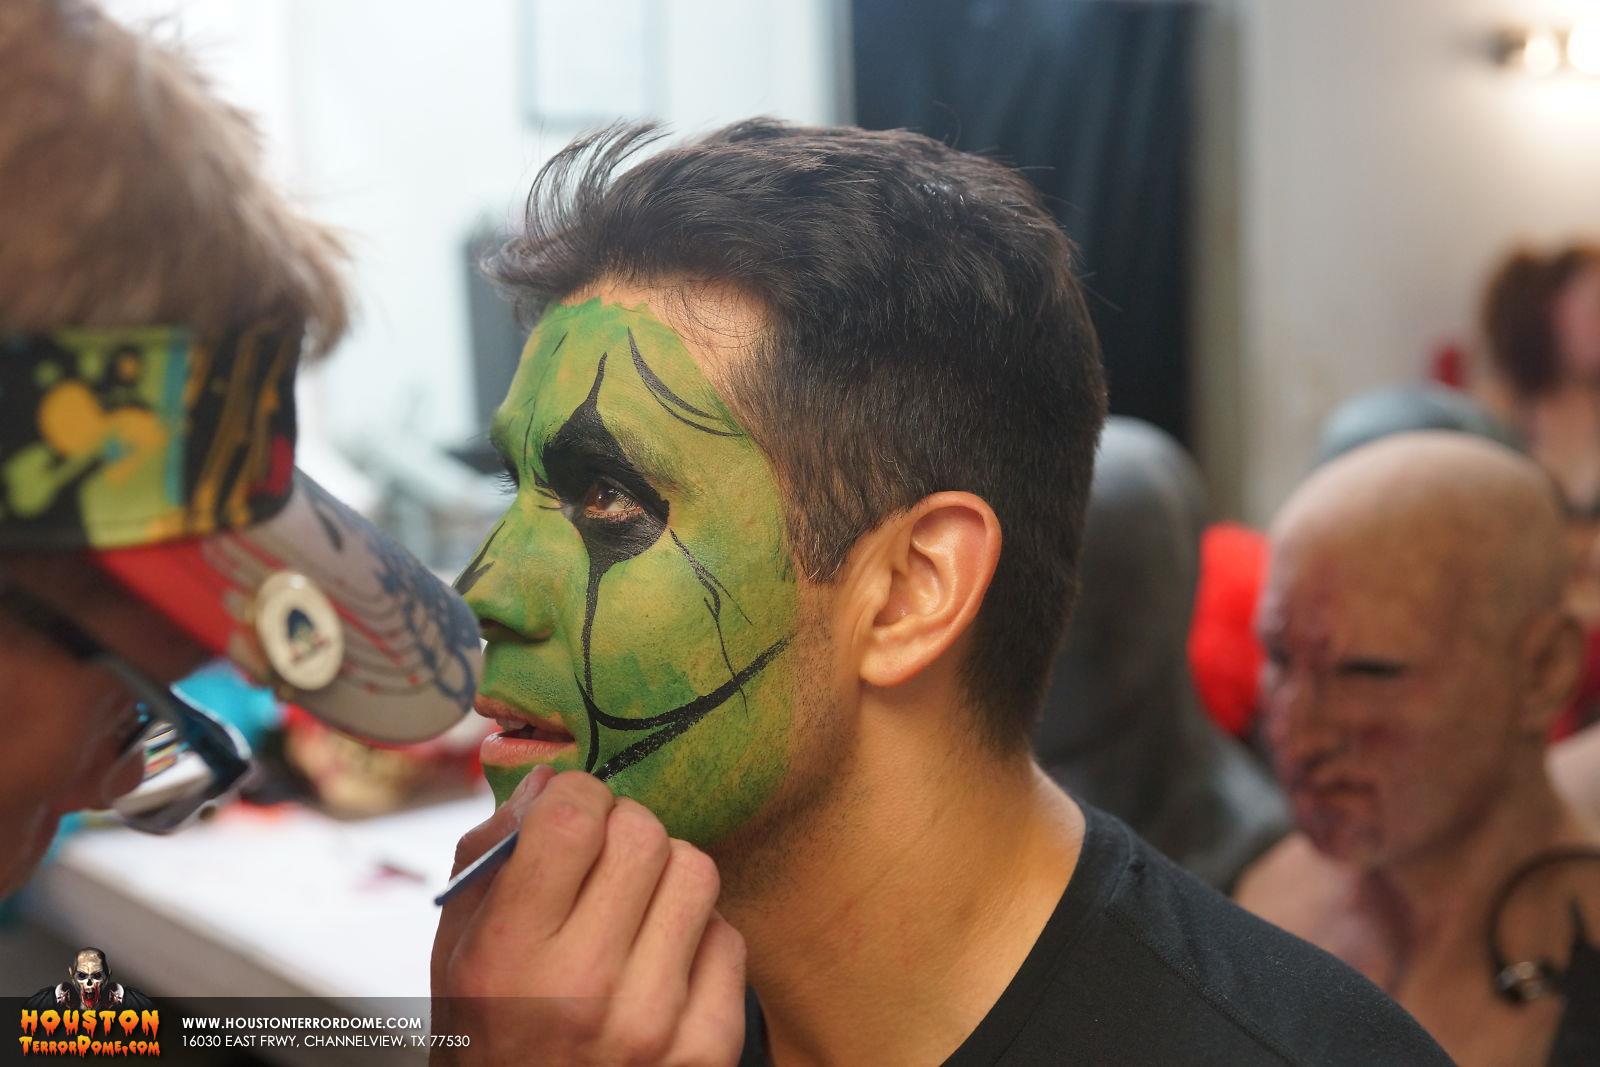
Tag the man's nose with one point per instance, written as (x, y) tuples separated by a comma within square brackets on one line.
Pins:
[(510, 590)]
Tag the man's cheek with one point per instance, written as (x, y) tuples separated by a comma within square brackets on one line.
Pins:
[(503, 781)]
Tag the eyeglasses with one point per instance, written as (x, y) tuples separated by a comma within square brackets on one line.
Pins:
[(191, 758)]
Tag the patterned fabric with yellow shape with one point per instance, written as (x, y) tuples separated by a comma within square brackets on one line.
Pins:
[(114, 438)]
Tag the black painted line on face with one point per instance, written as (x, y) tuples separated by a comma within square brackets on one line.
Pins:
[(586, 413), (699, 705), (703, 574), (527, 433), (713, 602), (670, 724), (527, 447), (477, 568), (671, 402), (715, 608), (594, 737), (591, 601), (580, 451)]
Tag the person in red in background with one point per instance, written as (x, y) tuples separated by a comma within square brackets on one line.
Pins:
[(1224, 655), (1541, 319)]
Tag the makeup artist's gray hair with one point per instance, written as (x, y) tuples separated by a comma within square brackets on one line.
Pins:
[(130, 195)]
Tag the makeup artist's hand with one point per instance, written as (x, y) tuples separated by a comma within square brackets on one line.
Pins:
[(596, 942)]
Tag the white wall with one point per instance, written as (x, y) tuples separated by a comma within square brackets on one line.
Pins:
[(402, 124), (1383, 165)]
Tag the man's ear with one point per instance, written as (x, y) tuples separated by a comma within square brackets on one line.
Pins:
[(919, 580), (1553, 654)]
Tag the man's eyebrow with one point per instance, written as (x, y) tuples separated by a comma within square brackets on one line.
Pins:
[(645, 457), (607, 447), (500, 441), (499, 431)]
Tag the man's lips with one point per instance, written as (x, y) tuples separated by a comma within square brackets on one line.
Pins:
[(1329, 787), (524, 737)]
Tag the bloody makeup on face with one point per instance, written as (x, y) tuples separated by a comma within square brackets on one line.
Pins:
[(90, 976), (1381, 703)]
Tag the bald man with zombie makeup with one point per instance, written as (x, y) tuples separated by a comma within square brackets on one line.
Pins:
[(1418, 648), (801, 443)]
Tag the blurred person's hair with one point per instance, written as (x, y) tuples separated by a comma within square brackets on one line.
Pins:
[(923, 331), (1392, 410), (1518, 319), (134, 197)]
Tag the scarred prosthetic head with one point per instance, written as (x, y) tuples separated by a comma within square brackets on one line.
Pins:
[(90, 976), (1417, 648), (637, 596)]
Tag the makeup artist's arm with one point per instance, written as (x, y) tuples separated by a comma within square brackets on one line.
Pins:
[(596, 942)]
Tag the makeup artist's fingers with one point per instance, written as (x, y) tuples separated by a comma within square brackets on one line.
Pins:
[(664, 951), (506, 818), (561, 837), (614, 899), (595, 942), (711, 1029), (459, 910)]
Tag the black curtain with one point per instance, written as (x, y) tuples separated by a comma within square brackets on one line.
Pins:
[(1091, 98)]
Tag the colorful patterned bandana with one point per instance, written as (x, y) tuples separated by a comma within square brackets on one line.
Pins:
[(112, 438), (169, 458)]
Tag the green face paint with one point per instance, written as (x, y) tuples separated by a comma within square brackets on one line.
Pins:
[(641, 588)]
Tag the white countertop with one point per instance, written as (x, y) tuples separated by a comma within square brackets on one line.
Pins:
[(262, 902)]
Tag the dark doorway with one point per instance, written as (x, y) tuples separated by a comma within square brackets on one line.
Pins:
[(1092, 99)]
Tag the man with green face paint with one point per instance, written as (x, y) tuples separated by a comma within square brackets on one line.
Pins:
[(657, 567), (801, 442)]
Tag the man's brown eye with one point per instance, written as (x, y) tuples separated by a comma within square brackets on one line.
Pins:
[(607, 503)]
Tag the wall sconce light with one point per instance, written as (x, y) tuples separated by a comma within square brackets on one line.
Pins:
[(1583, 47), (1544, 50)]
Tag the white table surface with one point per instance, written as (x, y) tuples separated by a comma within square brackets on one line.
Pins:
[(275, 902)]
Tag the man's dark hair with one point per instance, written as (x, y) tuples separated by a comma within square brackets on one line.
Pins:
[(923, 332)]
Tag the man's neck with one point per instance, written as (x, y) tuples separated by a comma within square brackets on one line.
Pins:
[(942, 864)]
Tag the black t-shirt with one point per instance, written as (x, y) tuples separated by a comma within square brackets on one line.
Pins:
[(1141, 963)]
